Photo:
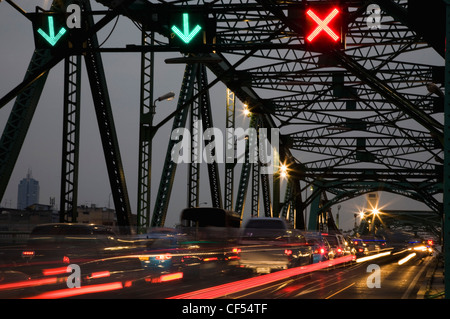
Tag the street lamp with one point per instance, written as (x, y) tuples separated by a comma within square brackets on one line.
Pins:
[(168, 96), (246, 111), (283, 171)]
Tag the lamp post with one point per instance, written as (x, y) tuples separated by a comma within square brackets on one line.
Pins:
[(144, 192)]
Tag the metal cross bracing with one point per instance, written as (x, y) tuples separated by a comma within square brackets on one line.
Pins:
[(352, 120), (28, 93)]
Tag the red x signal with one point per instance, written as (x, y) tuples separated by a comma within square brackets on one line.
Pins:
[(322, 25)]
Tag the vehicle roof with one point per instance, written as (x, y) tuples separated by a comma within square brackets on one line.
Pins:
[(268, 218), (251, 222), (54, 227)]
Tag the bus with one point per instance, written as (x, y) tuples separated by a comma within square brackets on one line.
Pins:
[(210, 217), (210, 236)]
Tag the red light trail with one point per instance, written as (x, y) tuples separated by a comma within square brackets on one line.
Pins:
[(236, 286)]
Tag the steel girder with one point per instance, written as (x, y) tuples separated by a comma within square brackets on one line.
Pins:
[(147, 111), (364, 109), (169, 169), (71, 140), (20, 118)]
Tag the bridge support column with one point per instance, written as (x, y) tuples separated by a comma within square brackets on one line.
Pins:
[(314, 211)]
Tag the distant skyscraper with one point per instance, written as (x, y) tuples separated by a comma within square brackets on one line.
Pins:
[(28, 192)]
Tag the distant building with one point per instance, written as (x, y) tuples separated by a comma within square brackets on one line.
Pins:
[(96, 215), (25, 219), (28, 192)]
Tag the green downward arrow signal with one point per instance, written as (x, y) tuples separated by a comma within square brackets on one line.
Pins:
[(186, 36), (51, 37)]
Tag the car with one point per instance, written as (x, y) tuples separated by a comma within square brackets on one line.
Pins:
[(337, 245), (268, 244), (320, 246), (368, 245), (64, 243), (207, 241), (159, 253), (96, 249)]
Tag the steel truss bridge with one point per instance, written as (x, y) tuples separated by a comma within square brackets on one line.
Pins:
[(353, 120)]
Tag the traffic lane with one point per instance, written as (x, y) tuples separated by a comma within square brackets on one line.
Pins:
[(383, 278), (396, 281), (164, 290), (213, 286), (313, 285)]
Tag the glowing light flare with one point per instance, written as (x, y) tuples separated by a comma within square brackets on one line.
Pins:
[(404, 260), (323, 25), (246, 111), (283, 171), (362, 259)]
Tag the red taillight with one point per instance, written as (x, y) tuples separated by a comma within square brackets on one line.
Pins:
[(430, 242), (288, 252), (165, 278), (339, 250), (163, 257), (100, 274), (174, 276), (236, 250), (28, 253), (322, 250), (233, 257), (55, 271), (66, 260), (210, 259)]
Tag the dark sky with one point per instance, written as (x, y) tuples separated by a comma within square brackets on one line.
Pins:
[(41, 151)]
